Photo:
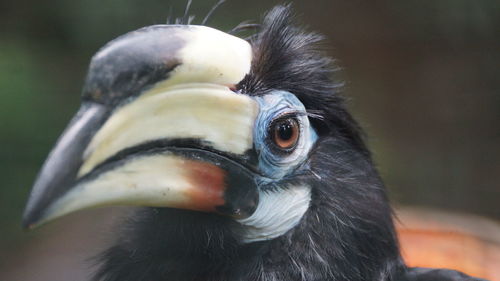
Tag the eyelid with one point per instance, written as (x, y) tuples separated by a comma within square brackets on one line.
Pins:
[(290, 113), (285, 115)]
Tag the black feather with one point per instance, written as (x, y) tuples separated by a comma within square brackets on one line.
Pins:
[(287, 58), (347, 234), (212, 10)]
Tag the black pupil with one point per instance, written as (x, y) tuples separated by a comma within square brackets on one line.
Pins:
[(285, 130)]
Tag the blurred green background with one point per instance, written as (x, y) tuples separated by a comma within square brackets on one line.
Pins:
[(421, 77)]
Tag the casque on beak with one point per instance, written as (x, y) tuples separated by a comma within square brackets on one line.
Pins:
[(158, 126)]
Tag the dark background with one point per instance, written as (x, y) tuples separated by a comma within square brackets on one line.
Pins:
[(421, 77)]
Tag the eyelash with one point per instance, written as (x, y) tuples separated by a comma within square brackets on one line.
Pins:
[(284, 116)]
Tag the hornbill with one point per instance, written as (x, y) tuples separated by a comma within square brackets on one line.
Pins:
[(241, 153)]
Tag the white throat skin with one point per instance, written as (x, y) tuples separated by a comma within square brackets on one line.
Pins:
[(278, 212)]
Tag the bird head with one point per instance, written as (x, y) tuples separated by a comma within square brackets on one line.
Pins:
[(201, 126)]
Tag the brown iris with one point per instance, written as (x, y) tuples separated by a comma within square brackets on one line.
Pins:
[(285, 133)]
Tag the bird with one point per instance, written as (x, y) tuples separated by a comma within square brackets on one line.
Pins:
[(240, 155)]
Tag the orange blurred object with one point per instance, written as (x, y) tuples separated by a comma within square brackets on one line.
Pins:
[(444, 240)]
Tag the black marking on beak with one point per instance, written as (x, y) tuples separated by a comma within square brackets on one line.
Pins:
[(60, 170), (241, 195), (248, 161), (133, 62)]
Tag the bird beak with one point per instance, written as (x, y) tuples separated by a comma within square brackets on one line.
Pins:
[(181, 144)]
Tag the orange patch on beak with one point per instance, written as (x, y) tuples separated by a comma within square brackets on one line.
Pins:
[(207, 185)]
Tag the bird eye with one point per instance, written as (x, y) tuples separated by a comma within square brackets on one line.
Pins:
[(285, 133)]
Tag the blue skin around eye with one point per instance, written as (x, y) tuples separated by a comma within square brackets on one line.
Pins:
[(271, 106)]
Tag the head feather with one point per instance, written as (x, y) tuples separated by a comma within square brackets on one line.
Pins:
[(290, 59)]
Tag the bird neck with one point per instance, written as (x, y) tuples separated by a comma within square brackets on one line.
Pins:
[(347, 233), (167, 244), (310, 252)]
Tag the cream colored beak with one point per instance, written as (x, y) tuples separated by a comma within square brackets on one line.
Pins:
[(182, 143)]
